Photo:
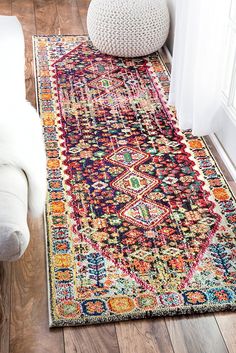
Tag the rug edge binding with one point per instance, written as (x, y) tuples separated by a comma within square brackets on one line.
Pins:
[(168, 312)]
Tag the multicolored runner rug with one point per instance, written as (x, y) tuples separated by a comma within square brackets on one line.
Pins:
[(140, 220)]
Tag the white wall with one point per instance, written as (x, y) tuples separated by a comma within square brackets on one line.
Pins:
[(170, 40)]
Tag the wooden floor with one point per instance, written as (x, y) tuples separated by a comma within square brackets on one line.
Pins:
[(23, 301)]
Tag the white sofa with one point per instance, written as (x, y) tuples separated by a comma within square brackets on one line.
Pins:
[(22, 155), (14, 232)]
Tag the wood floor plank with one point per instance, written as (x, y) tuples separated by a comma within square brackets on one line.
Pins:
[(46, 17), (29, 332), (227, 325), (144, 336), (24, 10), (69, 17), (5, 7), (91, 339), (196, 334), (83, 8), (5, 305)]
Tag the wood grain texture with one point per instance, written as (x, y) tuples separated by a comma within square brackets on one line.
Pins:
[(196, 334), (83, 8), (5, 306), (5, 7), (144, 336), (46, 17), (69, 17), (29, 314), (227, 325), (91, 339), (24, 10)]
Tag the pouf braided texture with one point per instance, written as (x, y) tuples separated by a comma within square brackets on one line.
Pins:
[(128, 28)]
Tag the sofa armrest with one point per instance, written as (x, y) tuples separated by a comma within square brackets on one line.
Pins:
[(14, 232)]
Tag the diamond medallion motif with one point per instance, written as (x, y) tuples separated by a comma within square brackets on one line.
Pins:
[(135, 183), (140, 212), (144, 213), (105, 83), (128, 157)]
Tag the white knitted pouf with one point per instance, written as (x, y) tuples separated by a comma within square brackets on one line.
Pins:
[(128, 28)]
